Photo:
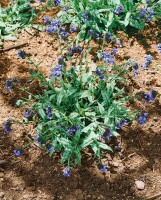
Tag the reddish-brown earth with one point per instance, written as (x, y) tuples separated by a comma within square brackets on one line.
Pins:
[(35, 176)]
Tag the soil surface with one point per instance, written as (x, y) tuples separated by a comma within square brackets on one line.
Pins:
[(35, 176)]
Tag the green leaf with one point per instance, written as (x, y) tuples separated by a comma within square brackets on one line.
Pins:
[(101, 108), (104, 146), (127, 18), (9, 37), (41, 112)]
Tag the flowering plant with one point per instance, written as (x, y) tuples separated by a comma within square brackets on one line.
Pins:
[(100, 16), (79, 107)]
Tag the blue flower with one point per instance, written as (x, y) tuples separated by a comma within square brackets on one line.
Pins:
[(50, 149), (142, 118), (142, 12), (7, 125), (108, 36), (49, 112), (114, 51), (151, 96), (66, 172), (40, 1), (28, 113), (64, 34), (93, 34), (159, 47), (60, 61), (107, 134), (9, 85), (64, 9), (75, 49), (21, 54), (73, 29), (103, 168), (150, 14), (108, 58), (149, 58), (54, 26), (57, 2), (47, 20), (85, 16), (73, 130), (18, 152), (57, 71), (118, 10), (99, 72), (122, 123)]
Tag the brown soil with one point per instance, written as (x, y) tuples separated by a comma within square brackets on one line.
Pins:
[(35, 176)]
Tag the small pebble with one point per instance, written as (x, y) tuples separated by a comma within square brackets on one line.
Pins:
[(140, 185)]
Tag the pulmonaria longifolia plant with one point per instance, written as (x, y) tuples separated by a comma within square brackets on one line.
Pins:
[(80, 107), (101, 16)]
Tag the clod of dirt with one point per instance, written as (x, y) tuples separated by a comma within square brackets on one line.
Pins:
[(2, 194), (140, 185), (1, 174)]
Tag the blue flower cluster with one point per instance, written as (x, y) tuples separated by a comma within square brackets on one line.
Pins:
[(142, 118), (159, 47), (149, 58), (47, 20), (134, 65), (150, 96), (118, 10), (57, 71), (75, 49), (49, 112), (57, 2), (108, 58), (53, 27), (100, 74), (148, 13), (93, 34), (136, 68), (61, 61), (28, 113), (122, 123), (7, 126), (9, 85), (108, 36), (73, 130), (73, 28), (107, 134), (64, 34), (85, 16)]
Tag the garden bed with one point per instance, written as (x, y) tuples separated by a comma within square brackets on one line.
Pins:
[(36, 176)]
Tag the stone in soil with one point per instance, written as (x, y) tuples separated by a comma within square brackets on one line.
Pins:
[(140, 185)]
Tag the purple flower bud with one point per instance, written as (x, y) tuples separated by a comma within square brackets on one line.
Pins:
[(47, 20), (159, 47), (21, 54), (18, 152), (7, 125), (142, 118), (102, 168), (66, 172), (118, 10)]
